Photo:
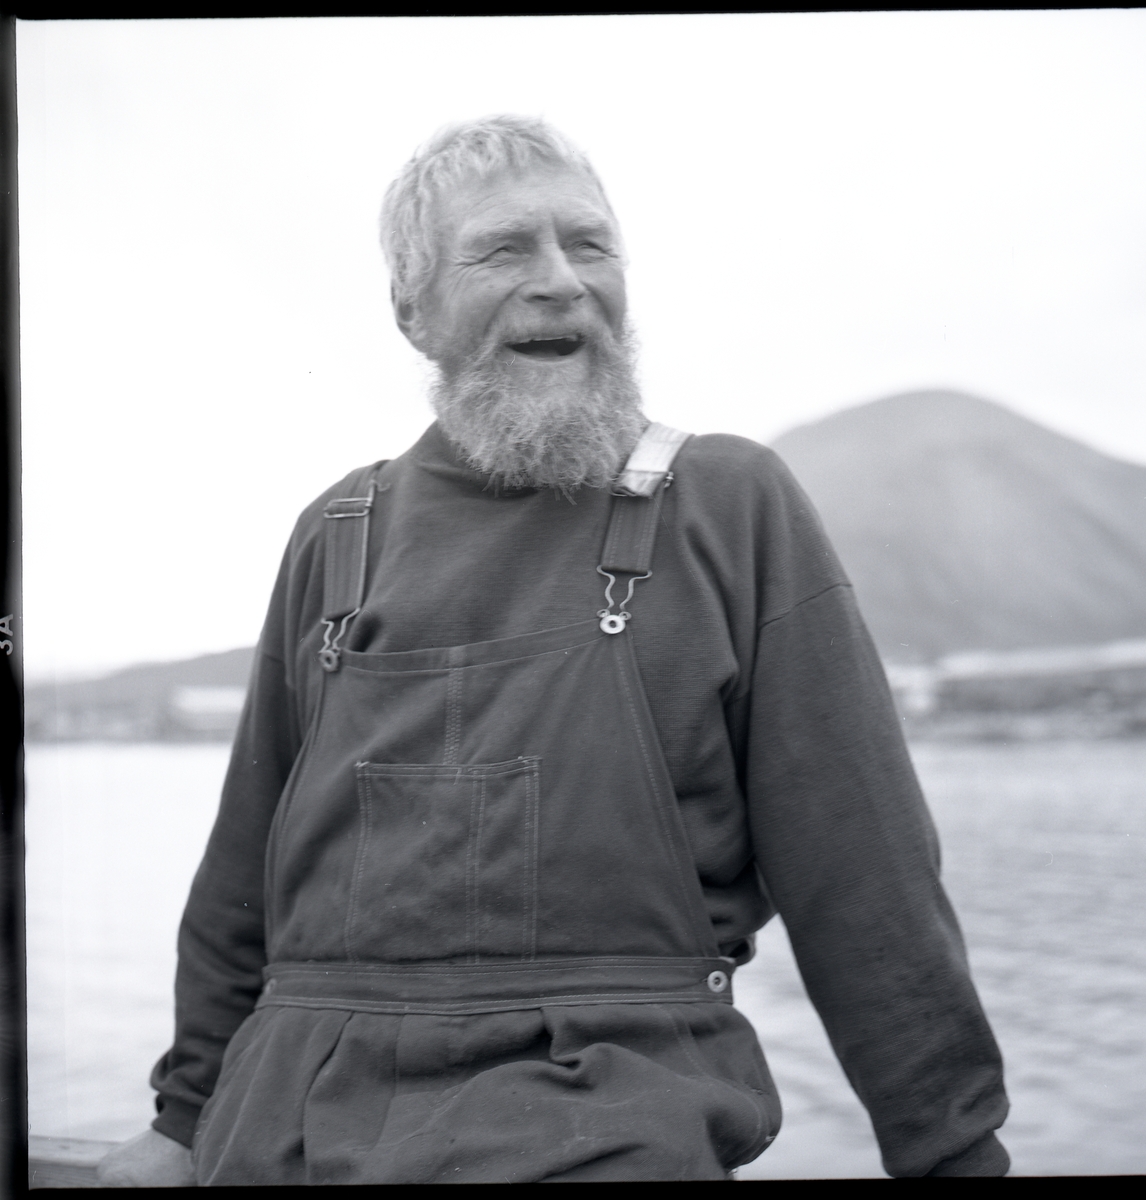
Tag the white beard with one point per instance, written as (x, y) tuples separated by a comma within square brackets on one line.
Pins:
[(540, 424)]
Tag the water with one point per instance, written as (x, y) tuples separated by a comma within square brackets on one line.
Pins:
[(1044, 848)]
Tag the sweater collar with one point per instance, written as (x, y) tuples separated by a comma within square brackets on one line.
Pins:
[(434, 452)]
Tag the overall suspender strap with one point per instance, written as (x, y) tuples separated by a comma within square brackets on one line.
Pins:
[(637, 497), (632, 530), (651, 460), (347, 530)]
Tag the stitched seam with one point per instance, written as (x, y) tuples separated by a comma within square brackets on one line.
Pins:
[(330, 555), (613, 533), (364, 808), (517, 1002), (591, 637), (363, 555), (453, 715), (649, 532), (477, 798), (515, 766), (397, 1072), (527, 898), (698, 963), (800, 603), (657, 803), (528, 832), (483, 791), (747, 688), (533, 794)]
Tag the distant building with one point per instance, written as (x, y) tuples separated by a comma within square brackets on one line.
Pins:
[(185, 714), (197, 699), (1059, 691), (208, 710)]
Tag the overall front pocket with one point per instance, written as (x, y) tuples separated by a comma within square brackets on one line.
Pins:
[(446, 863)]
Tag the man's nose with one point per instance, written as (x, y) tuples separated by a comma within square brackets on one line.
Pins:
[(552, 277)]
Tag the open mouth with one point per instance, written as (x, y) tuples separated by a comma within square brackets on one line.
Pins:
[(558, 347)]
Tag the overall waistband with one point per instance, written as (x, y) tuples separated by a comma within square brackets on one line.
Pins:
[(453, 988)]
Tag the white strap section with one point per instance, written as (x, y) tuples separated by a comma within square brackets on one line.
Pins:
[(650, 460)]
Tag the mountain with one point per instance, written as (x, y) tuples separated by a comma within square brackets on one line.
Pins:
[(197, 698), (965, 526)]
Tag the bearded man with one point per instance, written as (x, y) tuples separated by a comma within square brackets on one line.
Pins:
[(548, 717)]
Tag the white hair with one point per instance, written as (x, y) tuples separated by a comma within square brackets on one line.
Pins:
[(480, 147)]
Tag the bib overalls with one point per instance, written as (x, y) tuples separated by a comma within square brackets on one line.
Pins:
[(489, 954)]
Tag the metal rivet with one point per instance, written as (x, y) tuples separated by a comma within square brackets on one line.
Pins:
[(717, 981), (612, 623)]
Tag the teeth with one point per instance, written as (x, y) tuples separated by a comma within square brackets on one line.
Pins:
[(559, 346)]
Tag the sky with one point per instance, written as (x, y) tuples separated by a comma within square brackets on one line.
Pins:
[(819, 210)]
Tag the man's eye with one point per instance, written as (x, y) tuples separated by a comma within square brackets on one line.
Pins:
[(502, 252), (589, 250)]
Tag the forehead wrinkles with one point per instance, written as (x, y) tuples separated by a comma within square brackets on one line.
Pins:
[(503, 221), (509, 204)]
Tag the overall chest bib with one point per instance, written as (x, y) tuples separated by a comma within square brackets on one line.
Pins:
[(490, 826)]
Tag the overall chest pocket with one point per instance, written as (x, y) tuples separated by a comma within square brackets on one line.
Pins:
[(446, 863)]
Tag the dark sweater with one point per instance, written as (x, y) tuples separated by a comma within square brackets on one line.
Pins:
[(795, 786)]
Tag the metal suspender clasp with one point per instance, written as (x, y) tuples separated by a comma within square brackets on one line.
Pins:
[(344, 585), (330, 655), (637, 495), (614, 622)]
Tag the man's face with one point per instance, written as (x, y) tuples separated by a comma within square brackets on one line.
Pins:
[(529, 266)]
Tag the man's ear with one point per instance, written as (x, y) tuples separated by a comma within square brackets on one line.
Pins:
[(408, 315)]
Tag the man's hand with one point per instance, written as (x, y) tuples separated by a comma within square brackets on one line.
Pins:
[(149, 1160)]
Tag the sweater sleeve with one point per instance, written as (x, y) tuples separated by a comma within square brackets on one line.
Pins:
[(221, 940), (851, 860)]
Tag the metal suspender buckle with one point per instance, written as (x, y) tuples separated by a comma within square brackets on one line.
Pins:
[(344, 587), (614, 622), (330, 655), (637, 494)]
